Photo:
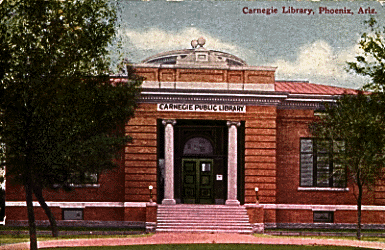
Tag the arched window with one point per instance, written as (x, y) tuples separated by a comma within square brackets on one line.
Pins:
[(198, 146)]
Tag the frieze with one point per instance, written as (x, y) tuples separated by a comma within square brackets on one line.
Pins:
[(189, 107), (280, 100)]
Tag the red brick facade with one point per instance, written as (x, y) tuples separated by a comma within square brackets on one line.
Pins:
[(207, 75), (272, 128)]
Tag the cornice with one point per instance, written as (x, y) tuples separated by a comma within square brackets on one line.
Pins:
[(251, 98), (192, 66), (212, 97)]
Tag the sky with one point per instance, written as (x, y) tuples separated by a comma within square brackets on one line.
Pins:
[(303, 44)]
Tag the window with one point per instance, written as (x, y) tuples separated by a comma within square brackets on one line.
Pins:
[(198, 146), (84, 178), (323, 216), (320, 165), (79, 180), (201, 57), (72, 214)]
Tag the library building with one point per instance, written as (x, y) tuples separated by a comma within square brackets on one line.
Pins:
[(218, 146)]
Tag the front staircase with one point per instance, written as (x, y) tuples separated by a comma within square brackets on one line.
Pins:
[(203, 218)]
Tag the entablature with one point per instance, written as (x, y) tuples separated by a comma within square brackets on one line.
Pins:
[(281, 100)]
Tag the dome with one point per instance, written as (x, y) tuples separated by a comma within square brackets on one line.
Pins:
[(198, 56)]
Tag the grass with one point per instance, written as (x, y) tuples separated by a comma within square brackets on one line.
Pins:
[(213, 247), (11, 239), (18, 233), (40, 228), (324, 230), (366, 238), (342, 237)]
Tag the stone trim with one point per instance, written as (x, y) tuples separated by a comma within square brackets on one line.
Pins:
[(209, 86), (321, 226), (232, 123), (322, 207), (213, 98), (192, 66), (213, 95), (135, 204), (143, 204), (327, 189), (77, 204), (258, 228), (151, 227), (252, 98), (81, 223)]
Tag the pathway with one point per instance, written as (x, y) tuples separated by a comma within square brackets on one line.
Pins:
[(188, 238)]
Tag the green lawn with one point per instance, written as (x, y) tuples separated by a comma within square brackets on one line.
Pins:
[(213, 247), (11, 239), (41, 228)]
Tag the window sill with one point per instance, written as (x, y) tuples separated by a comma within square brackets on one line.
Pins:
[(85, 185), (332, 189), (80, 185)]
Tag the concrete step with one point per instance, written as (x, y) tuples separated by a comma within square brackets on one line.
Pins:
[(190, 225), (194, 209), (202, 218), (211, 213), (191, 230), (183, 220), (203, 212), (202, 226)]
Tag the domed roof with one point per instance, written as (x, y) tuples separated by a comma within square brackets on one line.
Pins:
[(198, 56)]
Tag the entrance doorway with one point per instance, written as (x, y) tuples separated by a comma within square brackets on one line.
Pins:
[(200, 162), (198, 142), (197, 181)]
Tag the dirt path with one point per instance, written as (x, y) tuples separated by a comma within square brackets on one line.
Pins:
[(188, 238)]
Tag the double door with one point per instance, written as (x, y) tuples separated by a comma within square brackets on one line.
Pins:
[(197, 176)]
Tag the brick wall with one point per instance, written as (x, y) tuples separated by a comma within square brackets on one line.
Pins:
[(260, 154), (89, 213), (260, 150), (20, 213), (141, 156), (379, 196), (111, 189), (206, 75), (292, 125)]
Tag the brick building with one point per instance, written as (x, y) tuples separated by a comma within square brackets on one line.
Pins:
[(211, 130)]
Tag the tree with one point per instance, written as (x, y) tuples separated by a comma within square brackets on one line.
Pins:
[(371, 62), (357, 123), (61, 117), (2, 194)]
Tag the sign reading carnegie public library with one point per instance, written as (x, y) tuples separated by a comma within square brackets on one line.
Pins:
[(201, 107)]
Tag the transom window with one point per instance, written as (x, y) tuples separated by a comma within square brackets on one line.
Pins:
[(320, 166), (198, 146)]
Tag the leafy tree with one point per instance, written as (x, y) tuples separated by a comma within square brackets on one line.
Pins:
[(371, 62), (62, 119), (2, 193), (357, 123)]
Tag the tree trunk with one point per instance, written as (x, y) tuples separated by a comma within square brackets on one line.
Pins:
[(359, 204), (39, 195), (31, 217)]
